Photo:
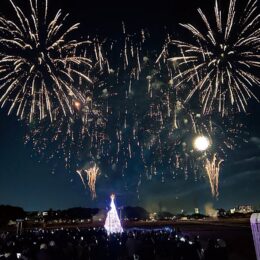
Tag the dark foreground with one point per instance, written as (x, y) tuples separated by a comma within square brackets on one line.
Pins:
[(238, 238), (143, 240), (235, 232)]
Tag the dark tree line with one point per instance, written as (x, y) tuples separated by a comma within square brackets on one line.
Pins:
[(10, 213)]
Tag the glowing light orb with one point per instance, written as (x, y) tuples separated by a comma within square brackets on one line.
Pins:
[(201, 143), (77, 105)]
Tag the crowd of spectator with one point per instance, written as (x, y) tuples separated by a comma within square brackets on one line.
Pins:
[(88, 244)]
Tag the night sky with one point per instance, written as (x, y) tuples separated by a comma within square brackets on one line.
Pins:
[(26, 182)]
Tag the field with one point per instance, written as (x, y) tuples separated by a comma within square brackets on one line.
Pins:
[(236, 232), (238, 237)]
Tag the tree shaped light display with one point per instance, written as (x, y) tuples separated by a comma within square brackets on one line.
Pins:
[(112, 224)]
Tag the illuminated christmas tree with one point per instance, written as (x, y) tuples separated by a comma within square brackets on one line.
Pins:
[(112, 224)]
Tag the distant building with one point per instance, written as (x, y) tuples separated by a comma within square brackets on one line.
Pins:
[(42, 213), (196, 211), (222, 213), (232, 211), (245, 209)]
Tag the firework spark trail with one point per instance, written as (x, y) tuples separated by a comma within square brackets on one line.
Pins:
[(223, 62), (91, 175), (79, 172), (38, 63), (212, 167)]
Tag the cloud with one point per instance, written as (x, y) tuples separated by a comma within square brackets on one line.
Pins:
[(255, 140), (236, 178), (253, 159)]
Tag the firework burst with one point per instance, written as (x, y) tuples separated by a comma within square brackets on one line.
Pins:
[(212, 167), (91, 173), (222, 63), (38, 62)]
